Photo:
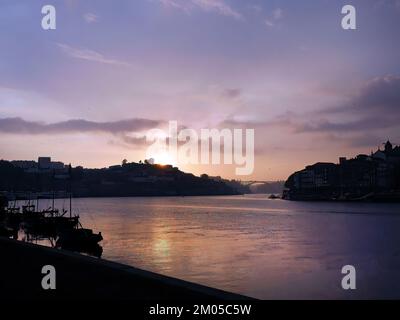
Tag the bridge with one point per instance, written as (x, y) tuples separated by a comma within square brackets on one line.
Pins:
[(249, 183)]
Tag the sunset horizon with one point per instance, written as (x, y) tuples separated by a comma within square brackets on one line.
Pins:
[(109, 73)]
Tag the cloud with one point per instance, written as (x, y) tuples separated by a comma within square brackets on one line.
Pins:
[(269, 23), (176, 4), (286, 120), (136, 140), (376, 106), (243, 123), (380, 95), (364, 124), (90, 17), (276, 15), (21, 126), (368, 117), (89, 55), (217, 6), (231, 93)]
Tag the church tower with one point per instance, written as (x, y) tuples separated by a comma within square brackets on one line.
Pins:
[(388, 146)]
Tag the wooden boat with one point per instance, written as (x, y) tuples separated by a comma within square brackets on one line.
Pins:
[(78, 238), (65, 230), (49, 221)]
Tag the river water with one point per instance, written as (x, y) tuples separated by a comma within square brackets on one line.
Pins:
[(268, 249)]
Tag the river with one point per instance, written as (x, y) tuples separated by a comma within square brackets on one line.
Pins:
[(268, 249)]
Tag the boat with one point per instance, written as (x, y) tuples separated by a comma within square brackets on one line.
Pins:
[(58, 221), (78, 238), (50, 221), (273, 196), (29, 213), (58, 226)]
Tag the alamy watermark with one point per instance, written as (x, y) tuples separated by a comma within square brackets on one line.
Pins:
[(348, 20), (49, 18), (349, 280), (205, 146), (49, 280)]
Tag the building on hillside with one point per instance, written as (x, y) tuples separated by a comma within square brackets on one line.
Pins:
[(356, 177)]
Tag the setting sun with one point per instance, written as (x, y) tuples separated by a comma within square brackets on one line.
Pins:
[(163, 158)]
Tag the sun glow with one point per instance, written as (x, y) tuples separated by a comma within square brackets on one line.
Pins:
[(163, 158)]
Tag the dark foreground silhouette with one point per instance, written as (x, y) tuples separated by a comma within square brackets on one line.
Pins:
[(86, 278)]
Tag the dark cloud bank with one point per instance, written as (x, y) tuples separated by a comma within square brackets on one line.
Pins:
[(376, 106), (370, 116), (21, 126)]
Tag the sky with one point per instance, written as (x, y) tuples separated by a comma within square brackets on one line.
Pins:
[(86, 92)]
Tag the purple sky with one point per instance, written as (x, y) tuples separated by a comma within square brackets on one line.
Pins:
[(113, 69)]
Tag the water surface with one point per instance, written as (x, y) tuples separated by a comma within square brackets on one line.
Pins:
[(252, 245)]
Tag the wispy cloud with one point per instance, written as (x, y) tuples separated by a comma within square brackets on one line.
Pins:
[(273, 18), (90, 55), (217, 6), (90, 17)]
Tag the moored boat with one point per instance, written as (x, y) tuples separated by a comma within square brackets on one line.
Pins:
[(78, 237)]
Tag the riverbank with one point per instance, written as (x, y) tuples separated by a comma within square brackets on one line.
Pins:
[(383, 197), (85, 278)]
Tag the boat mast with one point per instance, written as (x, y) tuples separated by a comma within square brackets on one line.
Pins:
[(52, 205), (70, 190), (70, 204)]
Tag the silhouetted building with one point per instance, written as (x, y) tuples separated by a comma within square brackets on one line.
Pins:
[(57, 165), (44, 163), (362, 176), (26, 165)]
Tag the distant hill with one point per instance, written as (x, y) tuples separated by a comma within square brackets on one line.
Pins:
[(128, 179)]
